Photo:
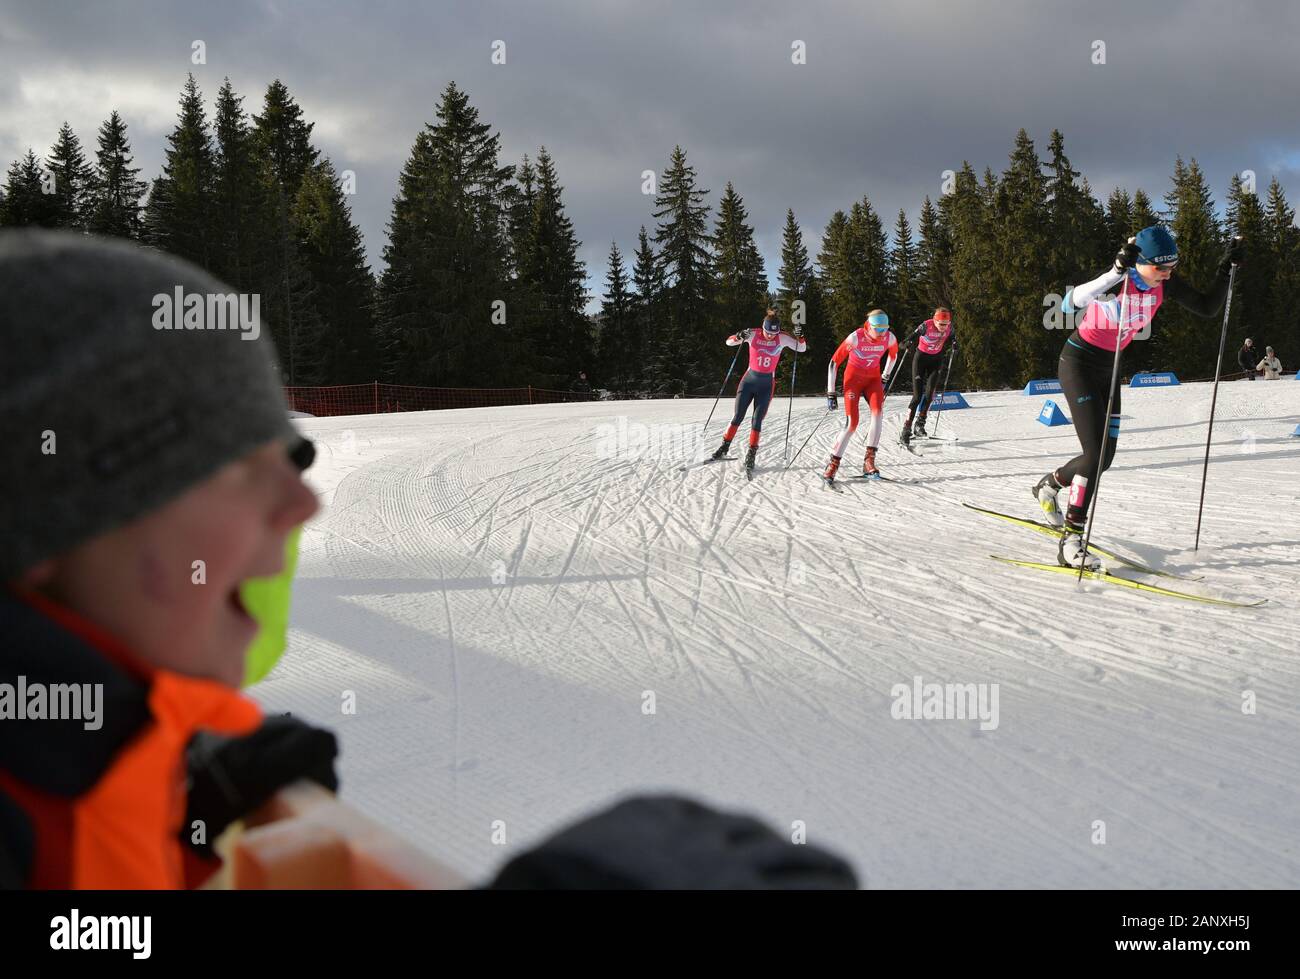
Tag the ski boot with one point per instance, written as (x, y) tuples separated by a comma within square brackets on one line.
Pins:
[(906, 435), (722, 450), (1045, 491), (832, 468), (1070, 552), (869, 469), (919, 428), (749, 460)]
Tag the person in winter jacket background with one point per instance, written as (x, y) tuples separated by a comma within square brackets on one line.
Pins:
[(1270, 365), (1246, 358)]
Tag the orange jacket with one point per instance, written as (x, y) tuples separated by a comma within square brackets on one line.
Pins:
[(100, 808)]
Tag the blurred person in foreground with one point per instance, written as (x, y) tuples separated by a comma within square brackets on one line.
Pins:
[(153, 491)]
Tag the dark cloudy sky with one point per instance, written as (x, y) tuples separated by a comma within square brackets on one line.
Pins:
[(893, 93)]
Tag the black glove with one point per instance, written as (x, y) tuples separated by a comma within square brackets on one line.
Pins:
[(798, 329), (230, 777), (745, 334), (1233, 254), (1127, 257), (671, 843), (831, 403)]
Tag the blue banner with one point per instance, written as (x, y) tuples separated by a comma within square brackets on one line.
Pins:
[(1163, 379), (947, 401), (1043, 387)]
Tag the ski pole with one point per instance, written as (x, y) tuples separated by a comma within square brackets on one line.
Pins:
[(1105, 432), (1218, 367), (721, 389), (794, 369), (899, 369), (947, 374), (809, 438)]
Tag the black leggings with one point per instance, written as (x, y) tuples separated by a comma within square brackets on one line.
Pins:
[(1084, 373), (925, 378), (755, 389)]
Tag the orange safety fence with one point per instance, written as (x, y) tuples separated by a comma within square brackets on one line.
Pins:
[(376, 397)]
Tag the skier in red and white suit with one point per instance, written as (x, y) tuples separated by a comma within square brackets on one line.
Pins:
[(865, 349)]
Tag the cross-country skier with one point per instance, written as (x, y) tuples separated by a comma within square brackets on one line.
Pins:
[(1143, 269), (933, 339), (865, 349), (759, 382)]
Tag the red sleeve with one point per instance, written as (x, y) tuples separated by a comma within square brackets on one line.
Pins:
[(842, 351)]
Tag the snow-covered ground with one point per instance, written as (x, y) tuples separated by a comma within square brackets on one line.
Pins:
[(505, 589)]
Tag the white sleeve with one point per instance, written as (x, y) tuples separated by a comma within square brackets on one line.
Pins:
[(735, 340), (797, 344), (831, 370), (1078, 297)]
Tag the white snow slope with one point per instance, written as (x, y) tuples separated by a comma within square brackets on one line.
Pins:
[(503, 590)]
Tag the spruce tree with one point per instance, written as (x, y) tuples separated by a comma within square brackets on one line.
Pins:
[(343, 288), (521, 197), (741, 282), (25, 201), (799, 283), (73, 181), (1119, 218), (933, 259), (620, 341), (179, 215), (1254, 279), (282, 153), (904, 278), (549, 264), (839, 290), (854, 258), (986, 360), (869, 255), (1183, 343), (448, 257), (685, 263), (117, 192), (648, 279), (238, 198), (1282, 247), (1036, 244), (1143, 214)]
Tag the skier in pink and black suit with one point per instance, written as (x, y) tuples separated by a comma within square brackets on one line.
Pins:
[(1139, 281), (759, 383), (932, 342)]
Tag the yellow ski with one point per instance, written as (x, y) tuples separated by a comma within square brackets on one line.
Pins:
[(1114, 579), (1055, 534)]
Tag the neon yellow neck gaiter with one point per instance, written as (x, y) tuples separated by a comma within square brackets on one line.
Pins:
[(267, 601)]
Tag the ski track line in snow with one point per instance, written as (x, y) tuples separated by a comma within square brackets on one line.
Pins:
[(623, 573)]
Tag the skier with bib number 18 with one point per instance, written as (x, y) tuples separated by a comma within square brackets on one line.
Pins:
[(759, 383), (1143, 269)]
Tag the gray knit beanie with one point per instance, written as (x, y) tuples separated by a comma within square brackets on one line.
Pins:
[(122, 384)]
